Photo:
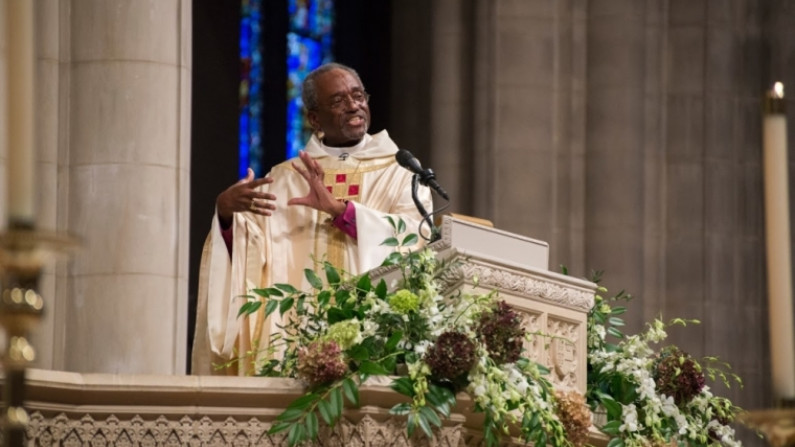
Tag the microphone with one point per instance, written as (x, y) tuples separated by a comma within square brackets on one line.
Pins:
[(426, 176)]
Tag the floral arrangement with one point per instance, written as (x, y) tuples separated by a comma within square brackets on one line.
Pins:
[(347, 329), (654, 397)]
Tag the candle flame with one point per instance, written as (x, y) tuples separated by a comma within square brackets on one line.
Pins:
[(778, 90)]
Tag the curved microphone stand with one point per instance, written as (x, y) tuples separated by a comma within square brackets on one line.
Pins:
[(435, 233)]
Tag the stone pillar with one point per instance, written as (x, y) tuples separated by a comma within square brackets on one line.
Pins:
[(123, 184), (450, 96), (49, 25), (615, 129)]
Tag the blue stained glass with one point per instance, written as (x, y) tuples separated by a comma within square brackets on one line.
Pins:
[(308, 46), (251, 77)]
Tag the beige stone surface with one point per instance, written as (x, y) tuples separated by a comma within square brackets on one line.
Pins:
[(128, 227), (134, 103), (142, 30), (123, 322), (113, 150)]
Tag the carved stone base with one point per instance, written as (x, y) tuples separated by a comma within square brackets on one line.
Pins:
[(97, 410), (161, 431)]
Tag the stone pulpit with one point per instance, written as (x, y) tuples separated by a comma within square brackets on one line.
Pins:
[(166, 410)]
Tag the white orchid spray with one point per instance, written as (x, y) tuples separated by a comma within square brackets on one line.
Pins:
[(654, 397)]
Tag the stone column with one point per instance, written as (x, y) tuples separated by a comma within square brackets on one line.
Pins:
[(123, 182), (615, 128), (50, 98)]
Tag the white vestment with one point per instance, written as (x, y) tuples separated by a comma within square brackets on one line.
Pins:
[(277, 249)]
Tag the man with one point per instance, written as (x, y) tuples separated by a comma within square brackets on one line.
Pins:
[(330, 203)]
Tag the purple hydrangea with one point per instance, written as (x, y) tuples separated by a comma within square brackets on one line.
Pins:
[(451, 356), (502, 332), (676, 374)]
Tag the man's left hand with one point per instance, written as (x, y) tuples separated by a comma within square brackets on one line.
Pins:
[(318, 197)]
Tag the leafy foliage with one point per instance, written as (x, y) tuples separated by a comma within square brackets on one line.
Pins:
[(347, 329)]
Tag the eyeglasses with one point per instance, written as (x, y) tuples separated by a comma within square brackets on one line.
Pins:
[(358, 98)]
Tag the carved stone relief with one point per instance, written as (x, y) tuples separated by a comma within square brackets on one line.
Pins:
[(173, 431), (563, 351), (524, 285)]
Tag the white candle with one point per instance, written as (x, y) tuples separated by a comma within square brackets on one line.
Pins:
[(782, 340), (21, 76)]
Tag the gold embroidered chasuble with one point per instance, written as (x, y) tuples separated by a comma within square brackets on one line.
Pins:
[(277, 249)]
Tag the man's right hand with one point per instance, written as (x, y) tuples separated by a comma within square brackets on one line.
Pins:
[(243, 197)]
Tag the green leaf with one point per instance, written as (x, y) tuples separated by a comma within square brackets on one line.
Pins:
[(325, 411), (261, 292), (618, 310), (391, 222), (381, 289), (616, 442), (279, 427), (409, 240), (290, 414), (400, 409), (313, 279), (299, 305), (351, 391), (615, 332), (272, 291), (613, 408), (424, 423), (271, 306), (411, 423), (249, 308), (393, 258), (612, 427), (431, 416), (285, 305), (336, 403), (332, 275), (401, 225), (403, 386), (324, 298), (364, 285), (286, 288), (372, 368), (389, 364), (341, 297), (303, 402), (311, 425), (393, 341), (296, 434), (336, 315), (391, 242), (358, 352), (441, 398), (616, 321)]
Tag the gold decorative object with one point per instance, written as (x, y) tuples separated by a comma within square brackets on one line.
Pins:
[(24, 251), (776, 424)]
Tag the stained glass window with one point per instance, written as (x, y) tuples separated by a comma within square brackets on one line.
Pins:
[(250, 127), (309, 40), (308, 46)]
